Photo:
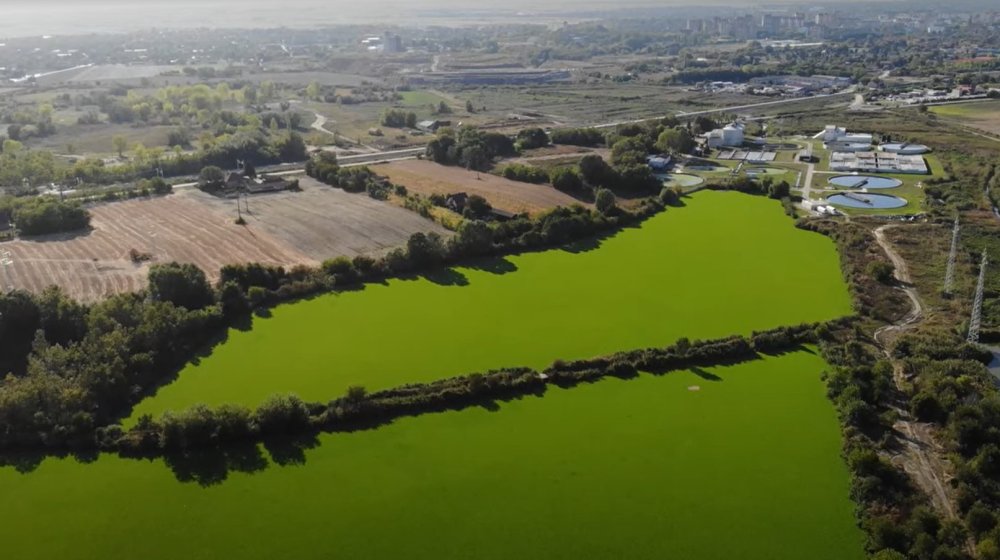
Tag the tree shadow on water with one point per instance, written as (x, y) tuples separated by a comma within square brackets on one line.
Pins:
[(446, 277), (23, 462), (211, 466), (498, 265), (705, 374), (290, 450)]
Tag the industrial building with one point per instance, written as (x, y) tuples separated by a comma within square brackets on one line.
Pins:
[(877, 162), (837, 139), (730, 136), (803, 84)]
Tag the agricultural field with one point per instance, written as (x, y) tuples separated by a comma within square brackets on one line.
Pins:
[(425, 177), (529, 309), (190, 226), (642, 468), (322, 222), (981, 115)]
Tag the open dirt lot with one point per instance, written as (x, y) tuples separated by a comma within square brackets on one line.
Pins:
[(323, 222), (427, 178), (191, 226)]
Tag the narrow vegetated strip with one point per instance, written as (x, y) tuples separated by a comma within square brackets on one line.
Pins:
[(201, 427)]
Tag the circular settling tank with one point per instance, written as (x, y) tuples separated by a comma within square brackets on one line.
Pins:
[(905, 149), (754, 171), (865, 182), (781, 146), (682, 180), (866, 200)]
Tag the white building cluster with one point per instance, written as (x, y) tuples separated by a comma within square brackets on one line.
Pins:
[(857, 152), (730, 136)]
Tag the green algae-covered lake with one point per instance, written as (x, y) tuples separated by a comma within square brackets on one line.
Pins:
[(746, 467), (726, 264), (734, 462)]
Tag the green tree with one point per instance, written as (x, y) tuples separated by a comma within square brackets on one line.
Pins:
[(313, 91), (425, 249), (473, 237), (595, 171), (605, 201), (881, 271), (532, 138), (356, 393), (233, 300), (120, 144), (566, 179), (675, 140), (628, 151), (183, 285), (211, 176), (888, 554)]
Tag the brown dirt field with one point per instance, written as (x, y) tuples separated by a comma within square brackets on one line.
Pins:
[(194, 227), (428, 178), (323, 222)]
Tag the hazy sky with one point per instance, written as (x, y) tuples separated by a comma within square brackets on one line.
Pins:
[(38, 17)]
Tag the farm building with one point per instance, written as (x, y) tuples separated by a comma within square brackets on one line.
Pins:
[(659, 163), (456, 202), (433, 125)]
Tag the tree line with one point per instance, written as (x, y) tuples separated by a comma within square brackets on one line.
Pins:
[(285, 415)]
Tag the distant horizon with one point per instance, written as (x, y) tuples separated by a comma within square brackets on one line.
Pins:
[(26, 18)]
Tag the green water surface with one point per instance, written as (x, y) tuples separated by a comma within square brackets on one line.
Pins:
[(726, 264), (745, 467)]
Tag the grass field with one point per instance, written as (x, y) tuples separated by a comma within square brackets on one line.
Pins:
[(984, 115), (679, 274), (747, 467)]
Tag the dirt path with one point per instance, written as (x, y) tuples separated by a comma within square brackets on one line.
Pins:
[(921, 455), (320, 125)]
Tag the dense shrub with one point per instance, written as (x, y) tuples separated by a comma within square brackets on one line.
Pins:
[(524, 173), (44, 215), (578, 136)]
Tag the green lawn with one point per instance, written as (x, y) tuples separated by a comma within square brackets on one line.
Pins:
[(975, 110), (747, 467), (421, 99), (727, 263)]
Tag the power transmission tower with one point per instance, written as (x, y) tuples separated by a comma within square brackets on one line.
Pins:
[(977, 303), (949, 275)]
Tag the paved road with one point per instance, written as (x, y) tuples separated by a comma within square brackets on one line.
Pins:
[(849, 91)]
